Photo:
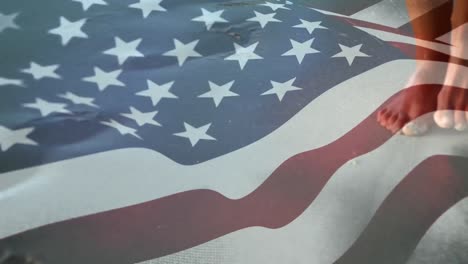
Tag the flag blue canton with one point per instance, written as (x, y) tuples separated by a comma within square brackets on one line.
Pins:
[(192, 80)]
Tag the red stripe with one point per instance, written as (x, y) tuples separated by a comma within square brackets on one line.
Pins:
[(410, 210), (366, 24), (184, 220), (410, 51)]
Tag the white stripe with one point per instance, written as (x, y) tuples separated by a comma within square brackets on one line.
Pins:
[(447, 239), (447, 38), (339, 214), (325, 12), (459, 45), (388, 36), (459, 52), (115, 179), (391, 13)]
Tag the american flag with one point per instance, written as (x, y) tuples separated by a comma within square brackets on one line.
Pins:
[(175, 131)]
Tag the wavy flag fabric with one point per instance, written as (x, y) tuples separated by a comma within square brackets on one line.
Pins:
[(148, 130)]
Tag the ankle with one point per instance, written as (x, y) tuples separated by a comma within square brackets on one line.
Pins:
[(428, 72)]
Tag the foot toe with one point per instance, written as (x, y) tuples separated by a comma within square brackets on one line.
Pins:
[(392, 120), (444, 118), (460, 121), (386, 118), (466, 115), (382, 112), (380, 115), (399, 123), (415, 128)]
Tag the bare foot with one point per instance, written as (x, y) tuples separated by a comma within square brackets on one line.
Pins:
[(418, 99), (452, 101)]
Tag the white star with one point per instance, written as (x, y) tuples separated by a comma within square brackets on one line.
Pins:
[(124, 50), (142, 118), (104, 79), (280, 89), (263, 19), (309, 25), (275, 6), (88, 3), (123, 130), (195, 134), (148, 6), (6, 81), (47, 108), (350, 53), (218, 92), (38, 72), (9, 138), (78, 99), (68, 30), (8, 21), (301, 49), (244, 54), (157, 92), (183, 51), (209, 18)]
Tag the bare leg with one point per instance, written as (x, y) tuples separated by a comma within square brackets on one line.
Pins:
[(413, 103), (452, 97)]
